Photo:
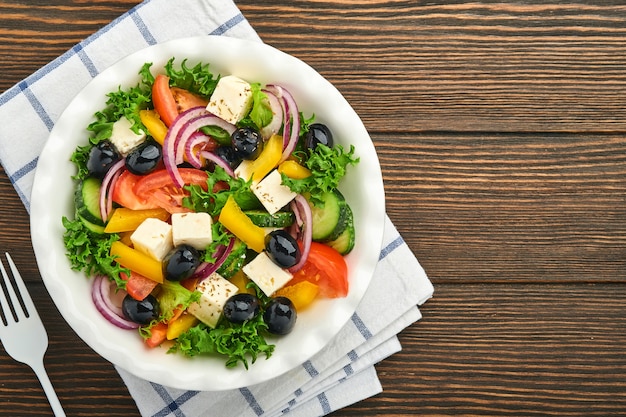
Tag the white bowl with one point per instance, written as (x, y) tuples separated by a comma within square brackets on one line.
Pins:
[(52, 198)]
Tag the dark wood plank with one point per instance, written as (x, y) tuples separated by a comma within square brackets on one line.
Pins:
[(462, 66), (31, 36), (517, 350), (500, 130), (504, 208)]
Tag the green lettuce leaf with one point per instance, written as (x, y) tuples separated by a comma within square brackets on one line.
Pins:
[(90, 253), (328, 166), (239, 343)]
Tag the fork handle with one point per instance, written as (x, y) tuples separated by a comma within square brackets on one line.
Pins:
[(42, 375)]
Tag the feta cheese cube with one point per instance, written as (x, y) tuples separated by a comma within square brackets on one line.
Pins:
[(124, 138), (231, 100), (153, 237), (193, 229), (215, 291), (244, 170), (266, 274), (272, 193)]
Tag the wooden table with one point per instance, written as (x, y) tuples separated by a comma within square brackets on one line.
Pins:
[(500, 127)]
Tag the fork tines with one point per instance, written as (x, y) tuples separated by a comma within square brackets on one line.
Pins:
[(15, 301)]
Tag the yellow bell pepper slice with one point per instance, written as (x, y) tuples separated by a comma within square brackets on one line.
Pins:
[(268, 159), (235, 220), (301, 294), (125, 238), (294, 170), (180, 325), (137, 261), (154, 124), (124, 219)]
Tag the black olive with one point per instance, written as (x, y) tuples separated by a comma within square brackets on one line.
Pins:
[(282, 248), (247, 143), (241, 307), (145, 158), (280, 316), (101, 158), (181, 262), (228, 154), (318, 134), (142, 312)]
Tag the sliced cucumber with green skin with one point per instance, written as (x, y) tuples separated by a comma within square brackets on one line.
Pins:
[(95, 228), (264, 219), (87, 200), (329, 221), (345, 242)]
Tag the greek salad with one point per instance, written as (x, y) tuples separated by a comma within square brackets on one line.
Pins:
[(207, 212)]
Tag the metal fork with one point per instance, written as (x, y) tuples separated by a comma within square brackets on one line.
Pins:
[(22, 333)]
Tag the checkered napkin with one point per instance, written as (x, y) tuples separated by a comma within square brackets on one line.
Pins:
[(342, 373)]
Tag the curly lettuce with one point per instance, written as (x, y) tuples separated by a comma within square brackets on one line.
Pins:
[(328, 166), (90, 253)]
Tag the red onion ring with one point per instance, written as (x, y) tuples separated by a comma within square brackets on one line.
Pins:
[(206, 268), (217, 160), (291, 119), (191, 127), (197, 139), (171, 142), (277, 115), (105, 201), (104, 305), (292, 107), (277, 91), (300, 205), (183, 127)]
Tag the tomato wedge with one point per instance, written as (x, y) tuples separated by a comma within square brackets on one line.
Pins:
[(326, 268), (158, 335), (158, 188), (186, 100), (170, 101), (138, 286), (123, 193), (163, 99)]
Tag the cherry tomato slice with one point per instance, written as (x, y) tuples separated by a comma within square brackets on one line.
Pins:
[(326, 268)]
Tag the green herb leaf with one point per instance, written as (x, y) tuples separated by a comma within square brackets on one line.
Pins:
[(235, 260), (220, 135), (211, 201), (221, 238)]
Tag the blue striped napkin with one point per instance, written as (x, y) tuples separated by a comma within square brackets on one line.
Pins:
[(341, 374)]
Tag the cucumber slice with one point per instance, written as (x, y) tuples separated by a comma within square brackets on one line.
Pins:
[(95, 228), (329, 221), (87, 199), (264, 219), (345, 242)]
